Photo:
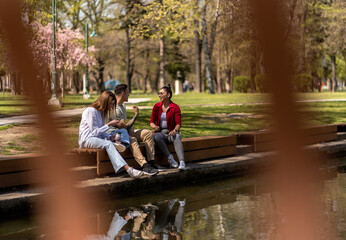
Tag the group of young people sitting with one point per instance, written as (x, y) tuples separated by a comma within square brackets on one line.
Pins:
[(104, 125)]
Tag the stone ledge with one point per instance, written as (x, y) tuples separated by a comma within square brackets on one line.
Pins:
[(21, 202)]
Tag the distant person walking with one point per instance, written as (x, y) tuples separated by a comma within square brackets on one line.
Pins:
[(92, 132), (166, 121)]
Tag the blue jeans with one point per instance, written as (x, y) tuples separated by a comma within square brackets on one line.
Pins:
[(116, 160)]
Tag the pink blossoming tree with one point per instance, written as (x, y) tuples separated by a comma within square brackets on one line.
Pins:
[(70, 52)]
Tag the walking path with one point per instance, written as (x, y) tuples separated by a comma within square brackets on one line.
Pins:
[(57, 114), (72, 112)]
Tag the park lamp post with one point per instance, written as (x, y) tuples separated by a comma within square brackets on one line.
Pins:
[(93, 34), (54, 101)]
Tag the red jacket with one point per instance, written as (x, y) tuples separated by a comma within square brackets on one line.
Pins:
[(173, 115)]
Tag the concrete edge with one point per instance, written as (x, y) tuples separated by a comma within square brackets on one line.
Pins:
[(23, 202)]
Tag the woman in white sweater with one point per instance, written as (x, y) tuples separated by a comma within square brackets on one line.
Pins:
[(92, 132)]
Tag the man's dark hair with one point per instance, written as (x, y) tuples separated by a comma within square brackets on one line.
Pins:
[(119, 89)]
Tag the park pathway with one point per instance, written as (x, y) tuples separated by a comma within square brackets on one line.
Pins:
[(72, 112), (30, 118)]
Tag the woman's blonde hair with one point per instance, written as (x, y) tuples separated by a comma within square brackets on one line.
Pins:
[(103, 101)]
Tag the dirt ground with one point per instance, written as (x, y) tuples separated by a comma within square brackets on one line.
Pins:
[(25, 138)]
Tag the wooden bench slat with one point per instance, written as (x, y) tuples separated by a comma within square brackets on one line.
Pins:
[(106, 167), (207, 142), (320, 138), (256, 137), (316, 130), (21, 164), (21, 178), (307, 140)]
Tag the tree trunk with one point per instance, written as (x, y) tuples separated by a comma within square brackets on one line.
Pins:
[(75, 79), (198, 85), (262, 63), (203, 78), (147, 86), (229, 84), (61, 81), (157, 78), (128, 61), (100, 83), (218, 74), (253, 72), (100, 78), (2, 82), (207, 53), (162, 63), (333, 80), (15, 84)]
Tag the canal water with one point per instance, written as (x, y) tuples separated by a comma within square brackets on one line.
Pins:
[(237, 208)]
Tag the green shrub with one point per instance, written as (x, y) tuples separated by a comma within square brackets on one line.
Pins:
[(303, 82), (261, 82), (241, 83)]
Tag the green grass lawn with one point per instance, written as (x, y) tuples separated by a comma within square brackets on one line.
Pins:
[(217, 120), (208, 120), (16, 105)]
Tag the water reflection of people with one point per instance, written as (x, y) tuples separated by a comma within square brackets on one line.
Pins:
[(160, 222), (168, 225), (115, 229)]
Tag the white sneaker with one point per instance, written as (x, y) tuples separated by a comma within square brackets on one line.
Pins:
[(182, 165), (172, 202), (134, 172), (133, 214), (172, 162)]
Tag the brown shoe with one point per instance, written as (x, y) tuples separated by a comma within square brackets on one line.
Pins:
[(121, 148)]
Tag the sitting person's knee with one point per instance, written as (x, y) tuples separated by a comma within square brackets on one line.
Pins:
[(133, 139), (147, 133), (157, 137), (108, 144), (177, 136)]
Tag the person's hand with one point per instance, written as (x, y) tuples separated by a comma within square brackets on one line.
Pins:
[(113, 137), (116, 136), (172, 133), (135, 110), (113, 123), (157, 128)]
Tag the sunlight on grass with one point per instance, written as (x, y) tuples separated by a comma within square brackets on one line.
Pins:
[(14, 146), (5, 127), (28, 138), (14, 105)]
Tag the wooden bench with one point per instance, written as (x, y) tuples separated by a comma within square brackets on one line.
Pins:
[(195, 149), (25, 169), (263, 140)]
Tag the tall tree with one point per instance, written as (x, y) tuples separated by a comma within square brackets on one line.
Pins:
[(97, 12), (208, 42), (128, 18), (70, 13), (166, 19), (198, 55), (335, 12)]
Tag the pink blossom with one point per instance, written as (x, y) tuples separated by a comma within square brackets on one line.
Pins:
[(70, 52)]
